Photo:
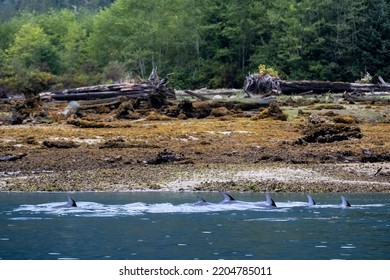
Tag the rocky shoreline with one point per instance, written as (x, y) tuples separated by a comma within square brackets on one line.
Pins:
[(121, 169), (343, 178), (313, 148)]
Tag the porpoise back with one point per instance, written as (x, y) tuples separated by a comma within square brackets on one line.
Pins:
[(310, 201), (227, 198), (268, 203), (201, 201), (344, 202), (70, 203)]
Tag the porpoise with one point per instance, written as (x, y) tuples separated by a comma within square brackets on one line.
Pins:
[(268, 203), (310, 201), (69, 204), (344, 202)]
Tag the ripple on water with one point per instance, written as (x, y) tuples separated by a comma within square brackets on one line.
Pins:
[(348, 246)]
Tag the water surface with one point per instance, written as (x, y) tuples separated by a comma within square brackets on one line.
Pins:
[(167, 225)]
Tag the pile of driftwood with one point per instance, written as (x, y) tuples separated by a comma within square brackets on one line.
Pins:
[(266, 84), (152, 87), (102, 92)]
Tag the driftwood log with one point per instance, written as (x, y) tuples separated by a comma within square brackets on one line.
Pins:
[(153, 87), (197, 95), (252, 102), (266, 84), (143, 91), (356, 97), (324, 87)]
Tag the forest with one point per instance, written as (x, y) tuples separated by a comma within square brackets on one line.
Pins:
[(200, 43)]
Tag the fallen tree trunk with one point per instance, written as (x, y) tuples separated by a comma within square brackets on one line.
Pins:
[(154, 86), (198, 96), (142, 91), (209, 93), (102, 88), (313, 87), (266, 84), (101, 95), (361, 97), (324, 87)]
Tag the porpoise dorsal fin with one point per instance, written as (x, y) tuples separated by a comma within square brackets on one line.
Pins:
[(201, 199), (270, 201), (344, 202), (310, 201), (71, 202), (227, 197)]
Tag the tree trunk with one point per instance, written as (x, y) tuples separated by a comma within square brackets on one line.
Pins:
[(266, 84), (313, 86)]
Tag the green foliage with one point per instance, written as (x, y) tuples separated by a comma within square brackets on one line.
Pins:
[(142, 35), (365, 79), (200, 43), (114, 72), (9, 9), (373, 40), (264, 70), (28, 82), (31, 48)]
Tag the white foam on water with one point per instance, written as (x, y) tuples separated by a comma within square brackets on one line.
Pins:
[(316, 218), (97, 209), (27, 218), (273, 219), (353, 206), (93, 209)]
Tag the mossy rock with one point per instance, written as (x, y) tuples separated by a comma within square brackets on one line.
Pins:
[(219, 112), (273, 112), (329, 132), (345, 119)]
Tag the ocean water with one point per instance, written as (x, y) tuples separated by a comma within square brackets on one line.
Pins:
[(168, 226)]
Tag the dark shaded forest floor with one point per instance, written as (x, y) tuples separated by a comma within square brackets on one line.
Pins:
[(350, 152)]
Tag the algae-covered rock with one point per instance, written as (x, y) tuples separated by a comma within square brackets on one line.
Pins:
[(219, 112), (273, 112), (328, 133)]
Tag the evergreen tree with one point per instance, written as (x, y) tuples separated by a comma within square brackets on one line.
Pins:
[(373, 39), (202, 43)]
